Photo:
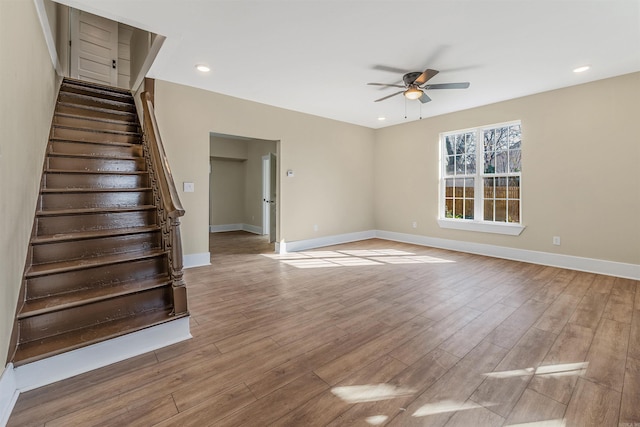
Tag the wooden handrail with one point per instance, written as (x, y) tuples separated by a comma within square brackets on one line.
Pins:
[(166, 200)]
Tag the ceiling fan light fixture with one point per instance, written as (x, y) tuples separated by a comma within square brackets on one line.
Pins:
[(413, 93)]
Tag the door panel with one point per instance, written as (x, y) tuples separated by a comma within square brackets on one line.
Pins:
[(94, 48), (272, 196)]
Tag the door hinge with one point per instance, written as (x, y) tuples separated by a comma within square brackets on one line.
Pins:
[(113, 64)]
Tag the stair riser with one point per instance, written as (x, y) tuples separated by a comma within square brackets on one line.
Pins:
[(81, 148), (74, 318), (100, 93), (71, 250), (102, 114), (91, 136), (102, 221), (81, 180), (88, 123), (55, 201), (39, 287), (95, 165), (96, 102)]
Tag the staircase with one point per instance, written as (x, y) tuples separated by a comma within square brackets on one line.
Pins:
[(97, 266)]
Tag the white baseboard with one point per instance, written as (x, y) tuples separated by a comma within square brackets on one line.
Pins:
[(319, 242), (224, 227), (196, 260), (67, 365), (8, 394), (590, 265), (235, 227)]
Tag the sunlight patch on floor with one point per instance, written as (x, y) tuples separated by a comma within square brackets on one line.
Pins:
[(353, 258), (443, 407), (557, 370), (370, 392)]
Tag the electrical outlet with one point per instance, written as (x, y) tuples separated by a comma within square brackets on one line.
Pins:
[(188, 187), (556, 240), (414, 224), (315, 227)]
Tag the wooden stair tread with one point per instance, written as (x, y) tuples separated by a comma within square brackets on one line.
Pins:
[(70, 81), (49, 304), (93, 234), (94, 119), (83, 211), (103, 101), (131, 115), (97, 131), (51, 346), (117, 143), (84, 263), (92, 190), (92, 172), (110, 156)]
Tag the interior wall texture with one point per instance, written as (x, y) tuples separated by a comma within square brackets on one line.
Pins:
[(227, 187), (28, 85), (332, 162), (580, 181)]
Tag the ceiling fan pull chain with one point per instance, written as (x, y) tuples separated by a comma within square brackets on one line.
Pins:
[(405, 108)]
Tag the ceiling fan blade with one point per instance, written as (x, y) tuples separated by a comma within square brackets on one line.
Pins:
[(389, 69), (425, 76), (448, 86), (424, 98), (384, 84), (388, 96)]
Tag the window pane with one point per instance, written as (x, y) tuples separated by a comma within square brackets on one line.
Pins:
[(460, 140), (468, 209), (501, 210), (448, 144), (514, 187), (470, 161), (489, 141), (488, 210), (514, 160), (490, 162), (489, 192), (459, 166), (502, 138), (515, 140), (449, 167), (458, 208), (468, 188), (501, 188), (448, 208), (514, 210), (501, 161), (448, 187)]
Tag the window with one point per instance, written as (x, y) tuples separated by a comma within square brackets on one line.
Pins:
[(480, 179)]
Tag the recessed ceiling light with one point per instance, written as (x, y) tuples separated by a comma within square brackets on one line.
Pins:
[(203, 68), (581, 69), (382, 119)]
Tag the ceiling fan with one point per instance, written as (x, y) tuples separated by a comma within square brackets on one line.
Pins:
[(415, 85)]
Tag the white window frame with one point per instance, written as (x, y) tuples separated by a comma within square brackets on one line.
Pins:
[(476, 224)]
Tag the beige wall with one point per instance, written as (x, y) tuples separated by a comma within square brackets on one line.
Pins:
[(580, 181), (333, 162), (227, 191), (28, 85)]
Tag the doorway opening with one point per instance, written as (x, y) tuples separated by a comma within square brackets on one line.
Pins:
[(243, 185)]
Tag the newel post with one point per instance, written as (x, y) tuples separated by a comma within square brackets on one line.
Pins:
[(175, 268)]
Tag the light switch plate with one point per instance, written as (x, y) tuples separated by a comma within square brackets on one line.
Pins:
[(188, 187)]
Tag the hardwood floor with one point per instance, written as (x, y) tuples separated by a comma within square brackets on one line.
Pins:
[(373, 333)]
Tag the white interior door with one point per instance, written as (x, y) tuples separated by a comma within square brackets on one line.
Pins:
[(269, 171), (272, 196), (94, 48)]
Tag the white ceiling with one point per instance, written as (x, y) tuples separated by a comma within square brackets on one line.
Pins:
[(317, 56)]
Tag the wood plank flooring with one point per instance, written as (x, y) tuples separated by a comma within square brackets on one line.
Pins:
[(373, 333)]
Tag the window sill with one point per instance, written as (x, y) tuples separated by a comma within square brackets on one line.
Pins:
[(482, 227)]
